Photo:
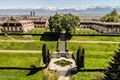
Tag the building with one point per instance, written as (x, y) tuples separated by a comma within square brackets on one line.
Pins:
[(40, 22), (101, 26), (16, 25)]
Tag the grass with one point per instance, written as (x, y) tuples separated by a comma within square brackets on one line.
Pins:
[(96, 38), (4, 38), (20, 60), (38, 30), (92, 46), (20, 75), (21, 37), (0, 28), (88, 76), (27, 46), (63, 63), (85, 31), (97, 55)]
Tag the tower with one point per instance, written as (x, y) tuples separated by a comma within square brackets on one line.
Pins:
[(32, 13)]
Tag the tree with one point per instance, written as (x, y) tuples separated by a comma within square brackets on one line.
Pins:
[(66, 22), (57, 47), (111, 17), (113, 71), (78, 58), (54, 23), (44, 54), (82, 58), (31, 13), (69, 22), (48, 56)]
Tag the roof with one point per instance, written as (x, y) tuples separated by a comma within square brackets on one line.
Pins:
[(100, 23)]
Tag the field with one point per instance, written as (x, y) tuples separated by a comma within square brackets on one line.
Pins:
[(22, 61), (85, 31), (38, 31), (88, 76), (20, 75), (97, 55), (96, 38), (0, 29), (27, 45)]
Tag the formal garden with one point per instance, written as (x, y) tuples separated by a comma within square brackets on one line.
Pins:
[(21, 56)]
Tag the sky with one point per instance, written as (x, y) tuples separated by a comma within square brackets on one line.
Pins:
[(53, 4)]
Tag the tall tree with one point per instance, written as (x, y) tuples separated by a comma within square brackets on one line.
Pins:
[(54, 23), (66, 22), (44, 54), (82, 58), (113, 71), (48, 56), (31, 14), (78, 58), (111, 17)]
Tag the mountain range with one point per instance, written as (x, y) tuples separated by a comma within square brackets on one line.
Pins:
[(91, 11)]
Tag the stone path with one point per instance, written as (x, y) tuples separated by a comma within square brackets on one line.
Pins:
[(61, 70), (109, 42), (25, 41), (20, 51), (62, 42), (10, 37)]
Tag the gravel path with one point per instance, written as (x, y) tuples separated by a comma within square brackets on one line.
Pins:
[(93, 41), (20, 51), (61, 70)]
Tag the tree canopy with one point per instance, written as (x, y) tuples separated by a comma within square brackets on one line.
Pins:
[(111, 17), (113, 71), (66, 22)]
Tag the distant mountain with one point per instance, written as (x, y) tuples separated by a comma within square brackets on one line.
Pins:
[(92, 11)]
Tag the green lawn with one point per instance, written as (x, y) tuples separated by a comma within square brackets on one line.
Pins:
[(27, 46), (19, 37), (20, 60), (0, 28), (38, 30), (4, 38), (20, 75), (88, 76), (97, 55), (85, 31), (96, 38)]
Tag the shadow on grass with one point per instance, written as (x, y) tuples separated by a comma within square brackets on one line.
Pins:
[(92, 70), (68, 36), (21, 68), (34, 70), (73, 71), (50, 36)]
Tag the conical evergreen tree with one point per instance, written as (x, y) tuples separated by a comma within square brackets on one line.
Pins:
[(82, 58), (44, 54), (48, 56), (78, 58), (113, 71)]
